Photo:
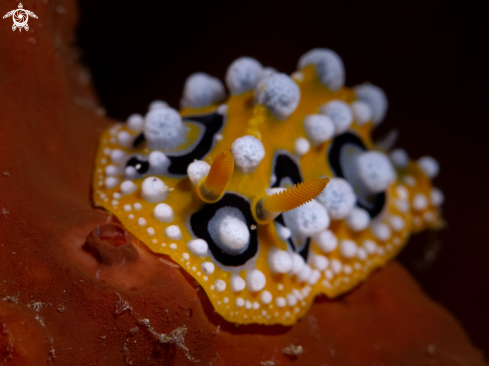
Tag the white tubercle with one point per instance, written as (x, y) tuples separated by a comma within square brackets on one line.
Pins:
[(420, 202), (320, 262), (158, 163), (370, 246), (283, 232), (381, 231), (291, 299), (340, 113), (358, 219), (229, 231), (128, 186), (336, 266), (319, 128), (399, 158), (279, 94), (163, 213), (279, 261), (436, 196), (429, 166), (197, 171), (173, 232), (112, 170), (158, 104), (348, 248), (314, 277), (154, 190), (237, 283), (304, 274), (207, 268), (266, 297), (307, 220), (124, 139), (375, 98), (201, 90), (117, 156), (220, 285), (248, 152), (326, 241), (397, 223), (361, 112), (243, 75), (280, 302), (338, 198), (198, 247), (375, 171), (329, 67), (111, 182), (164, 129), (135, 122), (255, 280), (298, 263), (301, 146)]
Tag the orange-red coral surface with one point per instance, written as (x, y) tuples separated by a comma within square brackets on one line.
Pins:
[(72, 293)]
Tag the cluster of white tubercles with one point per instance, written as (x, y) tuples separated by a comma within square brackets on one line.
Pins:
[(248, 152), (338, 198), (164, 129), (279, 94), (329, 67), (376, 100), (243, 75), (229, 231), (201, 90)]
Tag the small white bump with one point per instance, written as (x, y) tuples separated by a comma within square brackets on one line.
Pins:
[(127, 208), (348, 248), (164, 129), (375, 98), (314, 277), (298, 294), (137, 206), (280, 94), (381, 231), (157, 104), (429, 166), (135, 122), (220, 285), (281, 302), (347, 269), (207, 268), (397, 223), (402, 206), (115, 203), (173, 246), (255, 280), (375, 171), (336, 266), (111, 182), (399, 158), (358, 219), (117, 156), (158, 163), (124, 139), (127, 187), (173, 232), (198, 247), (301, 146), (154, 190), (163, 213), (307, 220), (304, 274), (338, 198), (265, 297), (116, 195), (320, 262), (130, 172), (436, 196), (361, 112), (201, 90), (298, 264), (283, 232), (225, 300), (243, 75), (362, 254), (197, 171), (340, 113), (239, 302), (142, 221), (279, 261), (409, 180), (402, 192), (380, 251), (329, 274), (256, 305), (420, 202), (111, 170), (150, 231), (248, 305), (329, 67), (107, 151), (131, 216), (186, 256), (291, 299), (237, 283), (280, 286), (326, 241), (319, 128), (248, 152), (370, 246)]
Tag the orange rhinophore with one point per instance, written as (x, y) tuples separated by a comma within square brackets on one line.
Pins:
[(346, 205)]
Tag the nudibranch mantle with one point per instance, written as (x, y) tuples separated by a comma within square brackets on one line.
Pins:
[(205, 186)]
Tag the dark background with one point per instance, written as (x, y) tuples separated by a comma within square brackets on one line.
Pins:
[(428, 56)]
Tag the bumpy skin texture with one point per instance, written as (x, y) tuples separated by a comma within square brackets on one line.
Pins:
[(59, 303)]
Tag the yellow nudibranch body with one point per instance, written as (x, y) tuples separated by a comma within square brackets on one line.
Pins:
[(205, 186)]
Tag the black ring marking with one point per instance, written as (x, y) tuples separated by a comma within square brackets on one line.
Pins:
[(372, 204), (141, 166), (200, 220), (285, 167)]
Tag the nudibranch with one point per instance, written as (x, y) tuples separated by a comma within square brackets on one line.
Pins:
[(273, 195)]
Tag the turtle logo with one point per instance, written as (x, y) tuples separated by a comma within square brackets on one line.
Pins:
[(20, 17)]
